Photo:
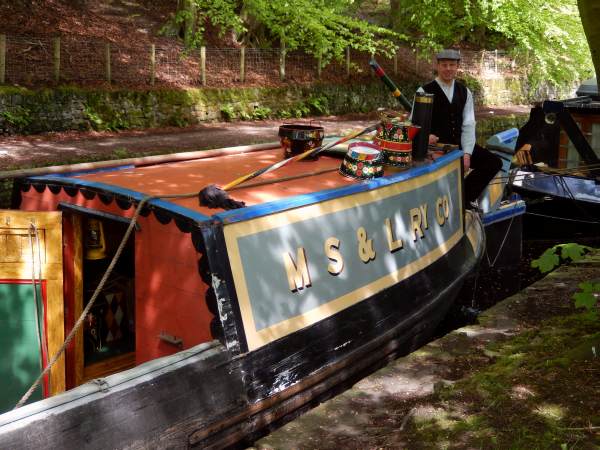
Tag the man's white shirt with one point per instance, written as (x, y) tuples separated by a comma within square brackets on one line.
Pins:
[(467, 135)]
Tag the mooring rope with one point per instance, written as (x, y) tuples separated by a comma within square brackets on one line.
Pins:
[(36, 301), (492, 264)]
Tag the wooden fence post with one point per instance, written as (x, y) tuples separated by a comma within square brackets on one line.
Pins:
[(482, 63), (496, 61), (56, 58), (348, 62), (107, 57), (152, 64), (395, 63), (282, 61), (203, 65), (242, 64), (417, 60), (319, 64), (2, 58)]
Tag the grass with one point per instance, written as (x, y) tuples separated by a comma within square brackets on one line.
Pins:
[(541, 392)]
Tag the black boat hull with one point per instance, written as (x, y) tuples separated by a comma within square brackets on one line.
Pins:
[(558, 207), (208, 398)]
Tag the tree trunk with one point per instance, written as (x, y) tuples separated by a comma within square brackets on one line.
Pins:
[(394, 13), (589, 10), (190, 23)]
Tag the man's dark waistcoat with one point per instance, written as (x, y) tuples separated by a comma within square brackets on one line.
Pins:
[(447, 118)]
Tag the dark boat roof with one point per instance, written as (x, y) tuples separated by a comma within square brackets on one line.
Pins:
[(588, 87), (129, 185)]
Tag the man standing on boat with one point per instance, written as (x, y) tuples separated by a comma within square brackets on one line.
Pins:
[(453, 122)]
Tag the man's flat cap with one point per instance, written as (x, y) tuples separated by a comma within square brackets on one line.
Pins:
[(449, 53)]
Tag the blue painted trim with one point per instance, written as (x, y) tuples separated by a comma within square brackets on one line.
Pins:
[(135, 195), (505, 213), (264, 209), (92, 171)]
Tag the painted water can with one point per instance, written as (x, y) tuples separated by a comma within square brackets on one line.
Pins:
[(363, 161), (298, 138), (395, 140)]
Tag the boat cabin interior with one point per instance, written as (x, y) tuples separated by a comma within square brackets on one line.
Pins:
[(563, 134)]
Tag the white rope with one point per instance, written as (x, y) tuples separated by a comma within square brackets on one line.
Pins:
[(39, 332)]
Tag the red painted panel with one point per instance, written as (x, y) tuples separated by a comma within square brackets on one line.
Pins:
[(170, 295)]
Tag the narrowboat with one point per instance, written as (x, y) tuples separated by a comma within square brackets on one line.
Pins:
[(560, 169), (215, 325)]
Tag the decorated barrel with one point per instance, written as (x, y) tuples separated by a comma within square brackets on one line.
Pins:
[(298, 138), (362, 161), (394, 138)]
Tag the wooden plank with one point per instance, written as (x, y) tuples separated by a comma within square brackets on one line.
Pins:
[(78, 294), (108, 366), (204, 386), (56, 333)]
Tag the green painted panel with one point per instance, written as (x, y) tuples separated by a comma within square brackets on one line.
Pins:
[(20, 363)]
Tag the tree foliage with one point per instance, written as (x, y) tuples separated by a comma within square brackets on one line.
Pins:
[(589, 10), (546, 34), (321, 27)]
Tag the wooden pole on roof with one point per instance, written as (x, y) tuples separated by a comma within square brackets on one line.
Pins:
[(2, 58), (203, 65), (152, 64), (56, 58)]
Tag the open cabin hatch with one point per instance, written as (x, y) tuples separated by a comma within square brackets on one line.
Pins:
[(106, 342)]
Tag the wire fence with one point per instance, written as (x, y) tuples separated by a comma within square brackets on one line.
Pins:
[(35, 61)]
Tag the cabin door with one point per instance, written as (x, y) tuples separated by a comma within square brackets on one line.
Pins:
[(31, 303), (105, 343)]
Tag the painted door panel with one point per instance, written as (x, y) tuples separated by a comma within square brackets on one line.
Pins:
[(30, 247)]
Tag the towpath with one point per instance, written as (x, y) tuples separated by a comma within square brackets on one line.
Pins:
[(525, 377), (71, 147)]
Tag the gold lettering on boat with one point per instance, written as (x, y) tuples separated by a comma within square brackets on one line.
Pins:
[(336, 262), (423, 209), (297, 272), (416, 222), (442, 210), (365, 246), (393, 244)]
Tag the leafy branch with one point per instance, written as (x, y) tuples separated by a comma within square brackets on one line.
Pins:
[(559, 254)]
